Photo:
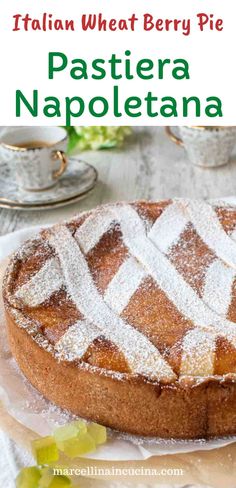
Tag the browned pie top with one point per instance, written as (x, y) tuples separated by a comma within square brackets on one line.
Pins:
[(144, 288)]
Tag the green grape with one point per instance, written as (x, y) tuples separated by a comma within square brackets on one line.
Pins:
[(98, 433), (28, 478), (45, 450), (78, 446)]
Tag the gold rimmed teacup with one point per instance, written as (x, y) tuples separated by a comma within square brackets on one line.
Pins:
[(36, 155), (208, 147)]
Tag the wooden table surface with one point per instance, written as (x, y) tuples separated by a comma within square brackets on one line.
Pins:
[(148, 166)]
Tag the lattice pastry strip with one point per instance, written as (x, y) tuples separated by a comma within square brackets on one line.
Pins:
[(42, 285), (75, 342), (140, 353), (167, 277), (218, 285), (167, 229), (148, 258), (198, 355)]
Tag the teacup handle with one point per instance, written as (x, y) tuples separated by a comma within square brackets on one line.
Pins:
[(64, 161), (173, 137)]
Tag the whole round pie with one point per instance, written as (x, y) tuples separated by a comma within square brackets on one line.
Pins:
[(126, 315)]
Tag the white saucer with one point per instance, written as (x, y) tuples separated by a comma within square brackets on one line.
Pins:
[(79, 179)]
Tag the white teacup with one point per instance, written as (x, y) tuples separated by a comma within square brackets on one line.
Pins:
[(208, 147), (36, 155)]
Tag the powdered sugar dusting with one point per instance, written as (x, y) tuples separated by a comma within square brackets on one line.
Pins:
[(89, 233), (75, 342), (148, 249), (140, 353), (124, 284), (206, 222), (218, 286), (198, 353), (33, 328), (164, 273), (42, 285), (169, 226)]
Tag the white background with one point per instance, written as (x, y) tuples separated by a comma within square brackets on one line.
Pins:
[(24, 58)]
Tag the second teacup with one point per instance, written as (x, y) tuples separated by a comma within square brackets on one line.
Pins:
[(208, 147)]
